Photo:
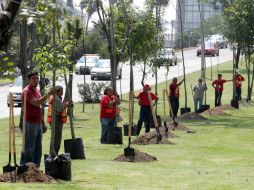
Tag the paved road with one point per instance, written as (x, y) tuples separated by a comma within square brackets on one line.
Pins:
[(192, 63)]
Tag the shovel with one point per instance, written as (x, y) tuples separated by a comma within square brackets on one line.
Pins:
[(159, 136), (23, 167), (130, 151), (8, 167), (164, 110), (171, 111)]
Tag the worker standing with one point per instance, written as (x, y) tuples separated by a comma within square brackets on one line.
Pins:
[(60, 115), (145, 113), (174, 95), (199, 90), (238, 84), (218, 86)]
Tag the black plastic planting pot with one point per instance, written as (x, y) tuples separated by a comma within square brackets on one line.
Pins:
[(133, 129), (235, 104), (115, 135), (75, 147), (158, 120), (58, 167), (184, 110), (204, 108)]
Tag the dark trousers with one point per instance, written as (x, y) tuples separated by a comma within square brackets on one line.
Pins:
[(238, 93), (175, 105), (58, 133), (106, 124), (218, 96), (145, 114)]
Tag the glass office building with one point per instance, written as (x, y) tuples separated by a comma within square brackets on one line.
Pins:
[(190, 14)]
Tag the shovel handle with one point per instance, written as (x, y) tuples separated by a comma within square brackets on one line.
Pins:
[(152, 109), (164, 104), (10, 95), (24, 123), (13, 129), (130, 114)]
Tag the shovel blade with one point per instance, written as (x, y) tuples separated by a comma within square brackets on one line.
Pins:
[(159, 138), (129, 151), (22, 169), (8, 168)]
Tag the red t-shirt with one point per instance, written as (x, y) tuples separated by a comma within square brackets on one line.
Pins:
[(219, 85), (106, 110), (173, 90), (33, 113), (143, 98), (238, 81)]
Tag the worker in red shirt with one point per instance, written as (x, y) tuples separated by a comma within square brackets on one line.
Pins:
[(238, 84), (218, 86), (145, 113), (108, 112), (174, 95)]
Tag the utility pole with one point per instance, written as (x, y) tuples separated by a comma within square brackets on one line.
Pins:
[(172, 33)]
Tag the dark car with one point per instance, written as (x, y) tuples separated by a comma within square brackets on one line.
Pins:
[(210, 49)]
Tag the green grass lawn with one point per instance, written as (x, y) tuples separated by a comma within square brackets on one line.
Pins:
[(219, 155)]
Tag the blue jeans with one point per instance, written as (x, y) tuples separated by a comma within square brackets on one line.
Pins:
[(198, 102), (145, 114), (106, 124), (238, 93), (33, 145)]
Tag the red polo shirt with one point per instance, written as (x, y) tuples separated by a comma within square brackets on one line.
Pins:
[(238, 80), (219, 85), (106, 110), (143, 98), (173, 90), (33, 113)]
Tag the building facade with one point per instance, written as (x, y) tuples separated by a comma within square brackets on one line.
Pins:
[(190, 14)]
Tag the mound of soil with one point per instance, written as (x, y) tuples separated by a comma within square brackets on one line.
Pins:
[(31, 175), (139, 157), (215, 111), (192, 116), (227, 107), (151, 138), (179, 127)]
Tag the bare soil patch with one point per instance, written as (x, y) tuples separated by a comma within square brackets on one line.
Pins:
[(227, 107), (151, 138), (32, 175), (180, 127), (215, 111), (139, 157), (192, 116)]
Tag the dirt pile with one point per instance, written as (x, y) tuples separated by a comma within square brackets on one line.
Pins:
[(139, 157), (227, 107), (215, 111), (32, 175), (179, 127), (192, 116), (151, 138)]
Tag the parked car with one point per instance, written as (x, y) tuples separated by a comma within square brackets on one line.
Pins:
[(86, 63), (168, 55), (102, 70), (210, 49), (219, 40), (16, 90)]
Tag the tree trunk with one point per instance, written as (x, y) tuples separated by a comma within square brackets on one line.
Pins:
[(143, 74), (22, 65), (238, 53), (6, 22)]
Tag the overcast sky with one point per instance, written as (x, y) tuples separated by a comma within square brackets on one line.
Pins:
[(170, 13)]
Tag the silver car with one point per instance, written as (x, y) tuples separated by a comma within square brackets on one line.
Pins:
[(168, 55), (102, 70), (86, 63), (16, 90)]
